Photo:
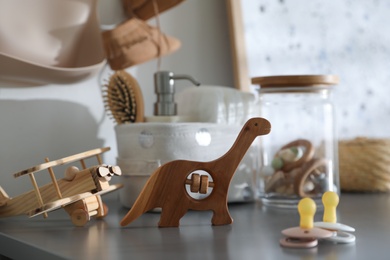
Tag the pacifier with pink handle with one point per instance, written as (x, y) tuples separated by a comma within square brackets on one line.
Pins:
[(306, 235)]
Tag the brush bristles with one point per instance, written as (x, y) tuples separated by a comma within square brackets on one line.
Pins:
[(119, 99)]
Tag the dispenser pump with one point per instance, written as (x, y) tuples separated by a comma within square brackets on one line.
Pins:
[(164, 87)]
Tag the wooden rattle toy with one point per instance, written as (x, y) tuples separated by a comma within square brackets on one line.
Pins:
[(330, 201), (79, 192), (306, 235), (166, 188)]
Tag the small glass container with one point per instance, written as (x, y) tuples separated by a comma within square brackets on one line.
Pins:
[(299, 157)]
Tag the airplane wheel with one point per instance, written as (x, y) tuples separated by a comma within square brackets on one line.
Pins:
[(80, 217), (105, 211)]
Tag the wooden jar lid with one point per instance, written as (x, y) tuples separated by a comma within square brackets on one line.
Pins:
[(295, 81)]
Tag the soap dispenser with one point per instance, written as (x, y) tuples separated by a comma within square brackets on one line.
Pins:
[(165, 108)]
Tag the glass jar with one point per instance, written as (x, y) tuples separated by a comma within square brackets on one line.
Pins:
[(299, 157)]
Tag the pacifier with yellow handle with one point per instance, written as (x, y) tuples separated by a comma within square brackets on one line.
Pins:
[(340, 231)]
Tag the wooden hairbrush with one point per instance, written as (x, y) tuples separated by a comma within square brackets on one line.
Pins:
[(123, 99)]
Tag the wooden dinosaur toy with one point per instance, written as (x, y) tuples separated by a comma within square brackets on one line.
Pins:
[(166, 188)]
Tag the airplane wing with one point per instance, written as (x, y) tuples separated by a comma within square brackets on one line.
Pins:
[(69, 159), (54, 205)]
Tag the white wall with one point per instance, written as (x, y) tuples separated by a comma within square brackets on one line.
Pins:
[(346, 38), (60, 120)]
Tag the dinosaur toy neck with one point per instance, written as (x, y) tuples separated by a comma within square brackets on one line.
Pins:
[(233, 157)]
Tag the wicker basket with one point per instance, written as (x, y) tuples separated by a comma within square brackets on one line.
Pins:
[(365, 165)]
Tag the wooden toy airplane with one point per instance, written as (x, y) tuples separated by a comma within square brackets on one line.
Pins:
[(166, 188), (79, 192)]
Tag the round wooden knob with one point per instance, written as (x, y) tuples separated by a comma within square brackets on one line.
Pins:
[(204, 184), (195, 183), (70, 173)]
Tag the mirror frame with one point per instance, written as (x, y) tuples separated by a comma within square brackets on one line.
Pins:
[(237, 41)]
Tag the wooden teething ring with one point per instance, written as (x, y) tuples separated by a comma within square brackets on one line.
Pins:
[(276, 178), (307, 156), (308, 169)]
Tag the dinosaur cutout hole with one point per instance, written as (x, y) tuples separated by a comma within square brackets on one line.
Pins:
[(199, 184)]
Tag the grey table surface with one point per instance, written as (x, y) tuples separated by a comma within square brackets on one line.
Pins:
[(254, 234)]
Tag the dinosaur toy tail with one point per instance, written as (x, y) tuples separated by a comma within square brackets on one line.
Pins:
[(131, 216), (142, 204)]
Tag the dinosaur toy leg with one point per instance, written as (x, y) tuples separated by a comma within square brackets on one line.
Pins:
[(171, 218), (221, 216)]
